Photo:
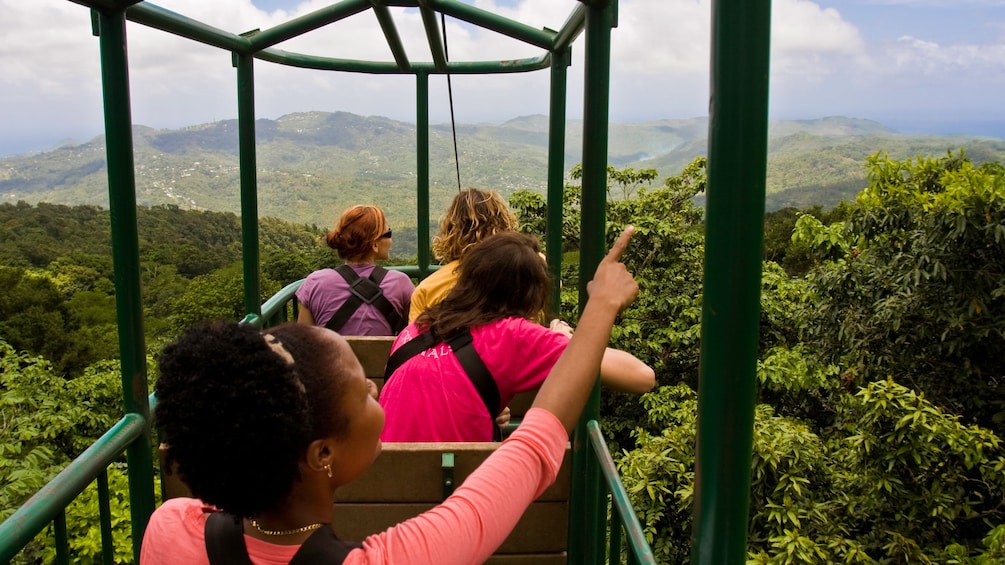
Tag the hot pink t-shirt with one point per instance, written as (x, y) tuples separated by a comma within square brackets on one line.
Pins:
[(467, 528), (431, 398), (325, 291)]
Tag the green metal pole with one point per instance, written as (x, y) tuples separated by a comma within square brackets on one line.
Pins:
[(249, 182), (556, 171), (586, 508), (126, 259), (422, 169), (737, 157)]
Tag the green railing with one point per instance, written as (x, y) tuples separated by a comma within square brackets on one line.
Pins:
[(49, 504)]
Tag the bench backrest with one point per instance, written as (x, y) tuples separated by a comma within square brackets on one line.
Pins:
[(410, 478)]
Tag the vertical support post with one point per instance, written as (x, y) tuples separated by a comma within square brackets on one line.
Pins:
[(111, 28), (422, 169), (560, 61), (587, 516), (737, 158), (249, 182)]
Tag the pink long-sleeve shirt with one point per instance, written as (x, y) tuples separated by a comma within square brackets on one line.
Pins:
[(466, 528)]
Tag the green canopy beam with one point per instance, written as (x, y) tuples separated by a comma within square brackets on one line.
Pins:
[(436, 46), (488, 20), (379, 67), (308, 22), (171, 22), (391, 34)]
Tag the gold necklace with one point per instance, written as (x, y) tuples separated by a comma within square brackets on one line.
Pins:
[(300, 530)]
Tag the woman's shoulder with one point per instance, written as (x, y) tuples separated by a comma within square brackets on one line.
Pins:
[(512, 327), (184, 509), (398, 276), (320, 275)]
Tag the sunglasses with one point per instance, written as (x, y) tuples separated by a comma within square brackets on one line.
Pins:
[(386, 235)]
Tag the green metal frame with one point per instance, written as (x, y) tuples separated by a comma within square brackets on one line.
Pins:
[(734, 234)]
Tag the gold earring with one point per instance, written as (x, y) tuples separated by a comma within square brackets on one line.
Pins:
[(328, 469)]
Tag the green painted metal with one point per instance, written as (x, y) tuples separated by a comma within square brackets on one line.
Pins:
[(380, 67), (126, 261), (105, 519), (422, 170), (249, 182), (391, 35), (48, 503), (62, 539), (619, 497), (737, 157), (107, 5), (165, 20), (308, 22), (571, 29), (556, 171), (586, 512), (436, 46), (494, 22), (614, 533)]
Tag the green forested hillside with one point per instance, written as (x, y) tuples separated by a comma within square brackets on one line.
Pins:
[(56, 271), (311, 165)]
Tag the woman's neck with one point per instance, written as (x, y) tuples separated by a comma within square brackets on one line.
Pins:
[(300, 515), (368, 260)]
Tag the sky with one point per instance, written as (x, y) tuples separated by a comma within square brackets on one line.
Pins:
[(918, 66)]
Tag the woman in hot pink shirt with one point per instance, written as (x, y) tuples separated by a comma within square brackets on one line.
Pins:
[(265, 426), (502, 288)]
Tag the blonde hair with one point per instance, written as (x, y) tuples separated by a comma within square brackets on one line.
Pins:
[(473, 215), (355, 232)]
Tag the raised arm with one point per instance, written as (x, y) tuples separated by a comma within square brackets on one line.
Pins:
[(570, 381), (622, 371)]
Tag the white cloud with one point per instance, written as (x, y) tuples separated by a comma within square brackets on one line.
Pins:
[(809, 42), (821, 64)]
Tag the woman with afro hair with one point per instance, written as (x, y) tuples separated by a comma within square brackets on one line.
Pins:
[(265, 426)]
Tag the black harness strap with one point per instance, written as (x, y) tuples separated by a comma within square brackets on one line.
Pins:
[(225, 540), (323, 547), (225, 544), (470, 361), (365, 291)]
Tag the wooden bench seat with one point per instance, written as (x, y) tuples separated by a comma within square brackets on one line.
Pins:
[(408, 479)]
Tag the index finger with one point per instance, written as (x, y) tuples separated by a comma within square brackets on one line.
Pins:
[(614, 255)]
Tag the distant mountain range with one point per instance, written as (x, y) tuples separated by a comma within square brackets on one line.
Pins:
[(311, 165)]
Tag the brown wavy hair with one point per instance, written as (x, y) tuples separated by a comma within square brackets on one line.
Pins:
[(503, 276), (355, 232), (473, 215)]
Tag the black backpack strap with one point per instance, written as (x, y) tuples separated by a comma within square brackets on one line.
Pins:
[(351, 304), (478, 373), (225, 540), (225, 544), (323, 547), (384, 305), (417, 345), (365, 291)]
